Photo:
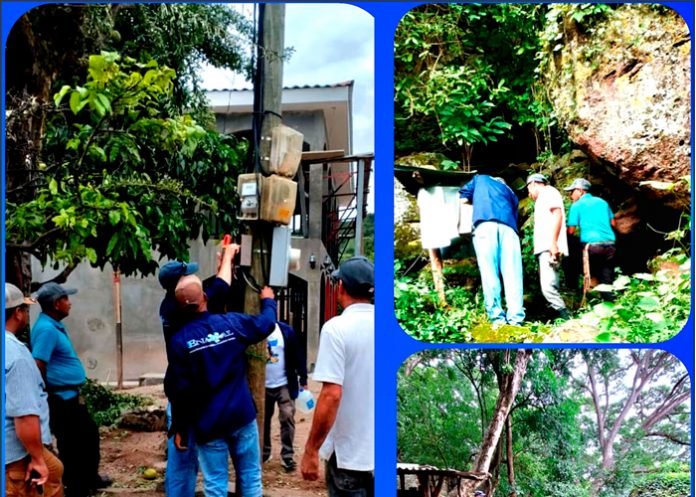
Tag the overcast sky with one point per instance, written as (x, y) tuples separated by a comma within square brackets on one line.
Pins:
[(332, 43)]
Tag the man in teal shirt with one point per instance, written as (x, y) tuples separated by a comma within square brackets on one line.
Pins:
[(595, 220), (75, 430)]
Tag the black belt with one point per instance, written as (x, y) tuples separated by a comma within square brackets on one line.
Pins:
[(63, 388)]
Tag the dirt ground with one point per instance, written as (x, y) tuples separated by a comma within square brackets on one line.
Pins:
[(126, 454)]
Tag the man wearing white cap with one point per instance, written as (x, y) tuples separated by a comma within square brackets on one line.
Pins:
[(75, 430), (29, 464), (550, 239)]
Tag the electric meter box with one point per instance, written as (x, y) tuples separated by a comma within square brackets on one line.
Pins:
[(286, 151), (278, 197), (249, 196)]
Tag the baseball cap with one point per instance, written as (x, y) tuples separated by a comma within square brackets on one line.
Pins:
[(50, 292), (14, 297), (536, 178), (357, 275), (189, 291), (170, 273), (579, 183)]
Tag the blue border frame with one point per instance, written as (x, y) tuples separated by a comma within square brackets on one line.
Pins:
[(393, 346)]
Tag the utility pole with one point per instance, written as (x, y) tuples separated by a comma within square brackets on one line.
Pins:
[(268, 89)]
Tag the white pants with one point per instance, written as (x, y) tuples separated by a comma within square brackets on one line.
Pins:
[(550, 281)]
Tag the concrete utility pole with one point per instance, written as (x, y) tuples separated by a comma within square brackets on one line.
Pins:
[(268, 91)]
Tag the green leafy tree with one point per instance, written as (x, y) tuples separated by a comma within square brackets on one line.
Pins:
[(554, 438), (120, 180), (50, 46), (465, 72)]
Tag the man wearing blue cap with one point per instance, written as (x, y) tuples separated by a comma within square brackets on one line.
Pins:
[(182, 466), (497, 246), (342, 430), (550, 239), (595, 220), (75, 430)]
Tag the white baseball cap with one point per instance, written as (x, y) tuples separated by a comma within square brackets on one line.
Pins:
[(14, 297)]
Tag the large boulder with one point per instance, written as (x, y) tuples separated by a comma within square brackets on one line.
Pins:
[(621, 88)]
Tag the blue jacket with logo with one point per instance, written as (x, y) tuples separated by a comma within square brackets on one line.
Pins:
[(206, 379)]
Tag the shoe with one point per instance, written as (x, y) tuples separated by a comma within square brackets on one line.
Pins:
[(102, 481), (564, 314), (288, 464), (267, 458)]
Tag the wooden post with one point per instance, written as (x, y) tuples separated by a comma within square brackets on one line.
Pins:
[(268, 92), (438, 277), (119, 330)]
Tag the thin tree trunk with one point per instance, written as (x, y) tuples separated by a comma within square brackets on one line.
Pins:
[(510, 458), (508, 388)]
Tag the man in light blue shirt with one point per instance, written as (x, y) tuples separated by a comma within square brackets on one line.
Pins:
[(595, 220), (75, 430), (29, 464)]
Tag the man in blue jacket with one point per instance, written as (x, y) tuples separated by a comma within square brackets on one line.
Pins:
[(497, 246), (182, 466), (286, 363), (207, 386)]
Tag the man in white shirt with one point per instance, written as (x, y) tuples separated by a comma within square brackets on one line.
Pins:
[(286, 373), (342, 430), (550, 239)]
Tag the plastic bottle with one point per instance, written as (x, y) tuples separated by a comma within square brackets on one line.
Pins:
[(305, 401)]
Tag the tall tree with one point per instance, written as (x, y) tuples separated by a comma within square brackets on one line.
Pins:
[(51, 46), (634, 398), (511, 373)]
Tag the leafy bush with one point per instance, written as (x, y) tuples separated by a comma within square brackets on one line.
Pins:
[(649, 307), (664, 485), (106, 406), (421, 315)]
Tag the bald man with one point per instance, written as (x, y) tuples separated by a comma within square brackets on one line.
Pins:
[(207, 386)]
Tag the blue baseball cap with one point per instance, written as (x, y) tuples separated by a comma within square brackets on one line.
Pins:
[(357, 275), (50, 292), (170, 273)]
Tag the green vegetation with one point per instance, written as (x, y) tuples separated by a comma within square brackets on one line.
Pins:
[(559, 438), (649, 308), (107, 406), (119, 179), (110, 143)]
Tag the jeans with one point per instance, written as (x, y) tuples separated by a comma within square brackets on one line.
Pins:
[(182, 466), (286, 416), (77, 438), (550, 281), (498, 253), (348, 483), (243, 445)]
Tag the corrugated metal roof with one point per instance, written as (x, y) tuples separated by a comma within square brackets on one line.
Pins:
[(342, 84), (424, 469)]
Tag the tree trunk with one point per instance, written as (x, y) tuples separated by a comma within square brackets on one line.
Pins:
[(510, 458), (438, 277), (508, 387)]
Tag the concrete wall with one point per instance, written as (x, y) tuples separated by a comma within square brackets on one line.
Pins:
[(91, 323)]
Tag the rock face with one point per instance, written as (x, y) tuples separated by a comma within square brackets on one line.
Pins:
[(622, 90)]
